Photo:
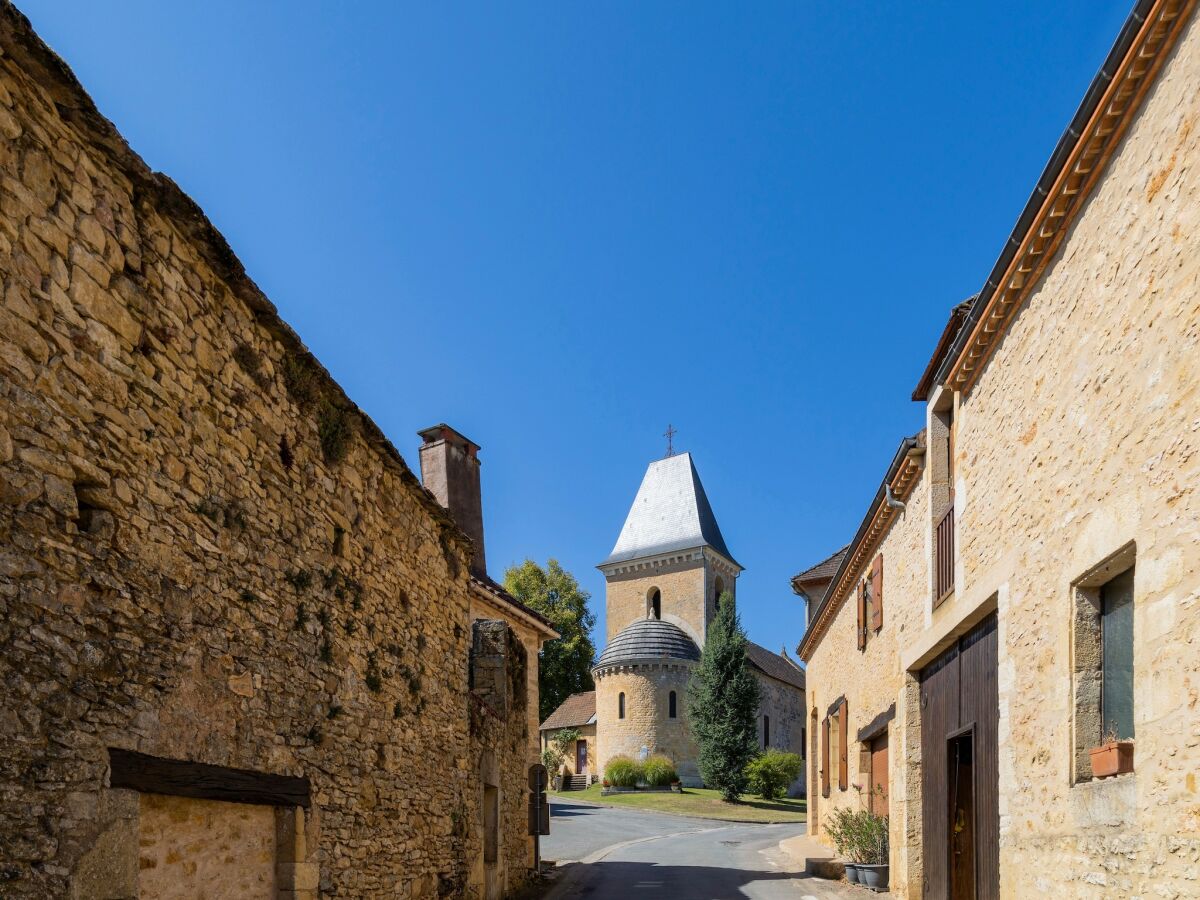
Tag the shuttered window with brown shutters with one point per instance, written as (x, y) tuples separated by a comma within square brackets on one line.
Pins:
[(843, 745), (877, 593), (825, 757), (862, 616)]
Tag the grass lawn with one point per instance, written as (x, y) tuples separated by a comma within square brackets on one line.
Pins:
[(699, 802)]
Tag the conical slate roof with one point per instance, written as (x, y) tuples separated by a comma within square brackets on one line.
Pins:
[(670, 512), (649, 639)]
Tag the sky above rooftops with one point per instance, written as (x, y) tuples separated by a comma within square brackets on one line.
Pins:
[(561, 227)]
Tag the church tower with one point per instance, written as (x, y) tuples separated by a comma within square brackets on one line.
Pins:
[(663, 578)]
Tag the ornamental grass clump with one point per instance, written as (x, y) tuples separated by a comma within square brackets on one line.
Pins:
[(658, 771), (622, 771)]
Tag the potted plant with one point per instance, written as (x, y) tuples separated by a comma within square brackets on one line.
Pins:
[(873, 869), (1113, 757), (843, 828)]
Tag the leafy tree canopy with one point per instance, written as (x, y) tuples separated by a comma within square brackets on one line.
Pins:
[(566, 664), (723, 704)]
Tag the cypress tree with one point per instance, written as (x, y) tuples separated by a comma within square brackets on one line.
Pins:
[(723, 703)]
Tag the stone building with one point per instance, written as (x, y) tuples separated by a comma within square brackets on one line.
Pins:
[(450, 470), (1027, 576), (664, 575), (578, 714), (240, 644)]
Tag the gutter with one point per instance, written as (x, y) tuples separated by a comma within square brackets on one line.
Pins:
[(1062, 150), (907, 446)]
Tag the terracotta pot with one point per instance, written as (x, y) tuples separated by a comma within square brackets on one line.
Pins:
[(1113, 758)]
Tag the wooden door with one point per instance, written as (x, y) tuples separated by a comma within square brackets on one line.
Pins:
[(581, 759), (879, 775), (960, 700)]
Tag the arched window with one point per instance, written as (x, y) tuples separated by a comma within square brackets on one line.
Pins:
[(671, 705), (766, 731), (621, 705), (654, 604), (718, 590)]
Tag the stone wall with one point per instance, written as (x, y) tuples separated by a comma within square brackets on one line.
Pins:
[(683, 587), (872, 681), (784, 705), (646, 724), (208, 553), (1082, 437)]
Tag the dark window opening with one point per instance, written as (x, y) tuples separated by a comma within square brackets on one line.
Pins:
[(671, 705), (1116, 653), (621, 706), (654, 604), (766, 731)]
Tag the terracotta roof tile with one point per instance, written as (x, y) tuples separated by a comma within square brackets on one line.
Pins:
[(576, 710)]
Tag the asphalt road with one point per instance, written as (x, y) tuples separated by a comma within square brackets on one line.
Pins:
[(624, 854)]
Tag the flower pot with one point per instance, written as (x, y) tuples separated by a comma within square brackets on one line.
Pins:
[(874, 877), (1113, 758), (558, 782), (852, 873)]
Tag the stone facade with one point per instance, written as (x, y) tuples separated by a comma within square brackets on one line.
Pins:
[(208, 553), (647, 727), (689, 586), (872, 683), (1074, 456)]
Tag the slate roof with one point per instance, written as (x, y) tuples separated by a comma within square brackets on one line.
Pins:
[(649, 639), (774, 665), (576, 710), (670, 512), (822, 571)]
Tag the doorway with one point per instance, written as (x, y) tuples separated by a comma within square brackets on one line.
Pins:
[(960, 773), (581, 757), (960, 777), (879, 775)]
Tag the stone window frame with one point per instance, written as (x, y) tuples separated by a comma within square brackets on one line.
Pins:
[(1087, 727), (654, 603), (621, 705), (672, 705)]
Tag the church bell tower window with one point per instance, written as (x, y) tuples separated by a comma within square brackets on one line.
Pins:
[(654, 604)]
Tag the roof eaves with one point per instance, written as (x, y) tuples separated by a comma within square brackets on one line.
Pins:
[(1075, 132), (815, 631)]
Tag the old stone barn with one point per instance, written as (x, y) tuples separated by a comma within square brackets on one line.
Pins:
[(236, 641)]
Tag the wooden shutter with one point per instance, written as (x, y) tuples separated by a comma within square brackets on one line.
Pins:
[(843, 743), (862, 616), (877, 593), (825, 757)]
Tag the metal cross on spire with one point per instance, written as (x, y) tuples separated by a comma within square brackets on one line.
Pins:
[(669, 434)]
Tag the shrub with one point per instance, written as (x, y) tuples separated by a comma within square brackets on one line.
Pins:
[(622, 771), (770, 773), (658, 771), (860, 836)]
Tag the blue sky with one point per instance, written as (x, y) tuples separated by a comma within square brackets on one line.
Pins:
[(560, 227)]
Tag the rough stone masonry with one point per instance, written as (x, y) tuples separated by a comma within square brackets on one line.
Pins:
[(208, 554)]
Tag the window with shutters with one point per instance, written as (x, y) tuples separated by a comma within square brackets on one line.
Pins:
[(1103, 658), (870, 603), (942, 472), (825, 757), (843, 748)]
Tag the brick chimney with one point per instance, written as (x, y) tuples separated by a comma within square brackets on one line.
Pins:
[(450, 470)]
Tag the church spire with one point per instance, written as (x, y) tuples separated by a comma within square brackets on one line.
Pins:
[(670, 512)]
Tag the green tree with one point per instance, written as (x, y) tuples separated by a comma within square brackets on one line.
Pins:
[(565, 666), (722, 704)]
